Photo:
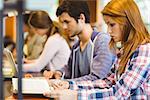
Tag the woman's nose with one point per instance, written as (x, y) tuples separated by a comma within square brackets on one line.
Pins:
[(109, 30)]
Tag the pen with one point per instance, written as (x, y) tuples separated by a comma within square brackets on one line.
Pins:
[(63, 75)]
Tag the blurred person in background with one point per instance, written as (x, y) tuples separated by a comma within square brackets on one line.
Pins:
[(56, 50), (34, 43)]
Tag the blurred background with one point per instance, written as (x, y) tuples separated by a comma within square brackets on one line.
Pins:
[(9, 18)]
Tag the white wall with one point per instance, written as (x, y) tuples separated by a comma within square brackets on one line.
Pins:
[(48, 5)]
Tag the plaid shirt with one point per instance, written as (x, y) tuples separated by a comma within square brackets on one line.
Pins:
[(133, 84)]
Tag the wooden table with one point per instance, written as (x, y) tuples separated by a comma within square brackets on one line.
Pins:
[(27, 97)]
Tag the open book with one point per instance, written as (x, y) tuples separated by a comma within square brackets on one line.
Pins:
[(32, 85)]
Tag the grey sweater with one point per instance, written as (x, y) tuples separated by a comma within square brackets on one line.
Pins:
[(100, 61)]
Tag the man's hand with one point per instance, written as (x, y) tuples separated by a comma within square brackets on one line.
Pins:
[(48, 74), (57, 75), (60, 85), (52, 74)]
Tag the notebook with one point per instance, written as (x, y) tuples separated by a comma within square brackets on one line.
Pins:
[(32, 85)]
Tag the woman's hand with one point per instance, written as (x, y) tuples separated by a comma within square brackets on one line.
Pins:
[(27, 75), (64, 94)]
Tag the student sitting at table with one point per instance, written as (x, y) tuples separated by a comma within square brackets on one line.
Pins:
[(90, 57), (34, 43), (56, 50)]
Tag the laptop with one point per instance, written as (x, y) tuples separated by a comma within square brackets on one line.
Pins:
[(11, 66), (9, 69), (35, 85)]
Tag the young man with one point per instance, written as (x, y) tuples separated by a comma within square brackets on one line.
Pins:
[(91, 58)]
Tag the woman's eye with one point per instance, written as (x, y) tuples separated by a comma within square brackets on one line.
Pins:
[(112, 24)]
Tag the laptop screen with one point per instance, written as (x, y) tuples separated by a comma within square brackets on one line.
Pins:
[(9, 57), (13, 65)]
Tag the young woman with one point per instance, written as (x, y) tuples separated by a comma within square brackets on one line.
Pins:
[(130, 73), (56, 50), (33, 42)]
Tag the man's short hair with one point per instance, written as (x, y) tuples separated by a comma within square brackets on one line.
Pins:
[(74, 8)]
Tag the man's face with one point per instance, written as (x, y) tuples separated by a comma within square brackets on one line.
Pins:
[(69, 24)]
